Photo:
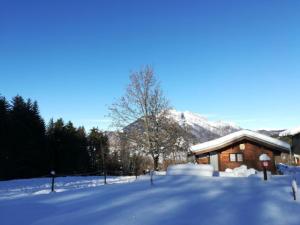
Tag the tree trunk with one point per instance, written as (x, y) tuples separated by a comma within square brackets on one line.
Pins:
[(155, 162)]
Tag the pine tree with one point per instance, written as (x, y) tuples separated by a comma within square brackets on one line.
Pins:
[(27, 139), (83, 158), (98, 149), (68, 147), (4, 135)]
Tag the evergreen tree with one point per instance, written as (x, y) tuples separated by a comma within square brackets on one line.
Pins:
[(4, 136), (68, 147), (27, 139), (55, 136), (98, 149), (83, 158)]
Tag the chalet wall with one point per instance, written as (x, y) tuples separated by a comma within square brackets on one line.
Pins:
[(251, 155), (203, 160)]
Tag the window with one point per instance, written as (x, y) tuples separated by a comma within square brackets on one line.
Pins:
[(232, 157), (236, 157), (239, 157)]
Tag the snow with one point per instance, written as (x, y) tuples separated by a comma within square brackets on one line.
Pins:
[(288, 170), (208, 170), (195, 120), (37, 186), (178, 200), (294, 186), (264, 157), (191, 169), (241, 171), (237, 135), (160, 173), (290, 132)]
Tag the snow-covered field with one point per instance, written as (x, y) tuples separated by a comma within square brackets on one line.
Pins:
[(171, 200), (28, 187), (288, 170)]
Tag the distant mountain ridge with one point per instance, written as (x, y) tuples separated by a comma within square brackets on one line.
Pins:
[(271, 133), (201, 128)]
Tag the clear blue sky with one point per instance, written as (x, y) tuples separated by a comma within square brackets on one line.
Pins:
[(230, 60)]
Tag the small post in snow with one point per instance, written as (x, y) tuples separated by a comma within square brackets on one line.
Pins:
[(103, 162), (52, 182), (294, 189), (265, 173), (151, 177), (136, 173), (264, 158)]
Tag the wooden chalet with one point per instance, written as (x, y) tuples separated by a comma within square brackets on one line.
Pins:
[(240, 148)]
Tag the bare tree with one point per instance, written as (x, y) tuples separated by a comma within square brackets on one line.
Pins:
[(143, 114), (177, 143)]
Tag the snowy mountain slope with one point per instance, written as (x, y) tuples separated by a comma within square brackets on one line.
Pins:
[(202, 128), (271, 133), (290, 132)]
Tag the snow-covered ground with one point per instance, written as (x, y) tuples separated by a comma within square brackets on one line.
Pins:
[(288, 170), (27, 187), (172, 200), (191, 169)]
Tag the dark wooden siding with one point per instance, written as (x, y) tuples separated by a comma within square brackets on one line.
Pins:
[(250, 154), (203, 159), (296, 144)]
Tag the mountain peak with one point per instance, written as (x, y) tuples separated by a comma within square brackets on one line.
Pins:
[(202, 128), (192, 118)]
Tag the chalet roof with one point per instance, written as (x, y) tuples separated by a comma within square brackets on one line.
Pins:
[(290, 132), (238, 136)]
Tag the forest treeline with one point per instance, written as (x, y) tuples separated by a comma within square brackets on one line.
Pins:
[(31, 148)]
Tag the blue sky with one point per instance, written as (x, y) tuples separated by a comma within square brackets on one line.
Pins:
[(229, 60)]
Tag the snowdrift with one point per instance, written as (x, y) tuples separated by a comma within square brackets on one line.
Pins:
[(241, 171), (191, 169), (159, 173)]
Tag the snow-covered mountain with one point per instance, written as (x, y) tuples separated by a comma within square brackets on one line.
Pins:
[(199, 127), (202, 128), (271, 133)]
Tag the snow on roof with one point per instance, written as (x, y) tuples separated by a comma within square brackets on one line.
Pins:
[(290, 132), (223, 141)]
